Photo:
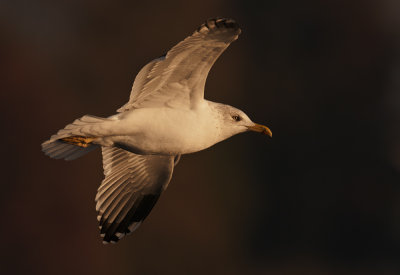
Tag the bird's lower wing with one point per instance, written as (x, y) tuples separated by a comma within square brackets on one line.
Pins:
[(131, 187)]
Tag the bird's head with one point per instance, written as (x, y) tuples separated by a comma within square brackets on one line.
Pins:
[(236, 121)]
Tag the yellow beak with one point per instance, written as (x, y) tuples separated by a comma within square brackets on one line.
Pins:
[(260, 129)]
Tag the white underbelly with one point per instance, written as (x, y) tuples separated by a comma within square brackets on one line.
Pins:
[(165, 131)]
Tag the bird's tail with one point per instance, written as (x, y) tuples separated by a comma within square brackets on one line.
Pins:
[(74, 141)]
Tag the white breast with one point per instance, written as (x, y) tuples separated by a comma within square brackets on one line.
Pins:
[(168, 131)]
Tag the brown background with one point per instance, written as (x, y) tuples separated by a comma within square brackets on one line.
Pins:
[(321, 197)]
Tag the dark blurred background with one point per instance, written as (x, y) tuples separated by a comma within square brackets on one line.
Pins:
[(321, 197)]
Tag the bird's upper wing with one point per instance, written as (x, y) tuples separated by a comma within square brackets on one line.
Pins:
[(130, 189), (178, 78)]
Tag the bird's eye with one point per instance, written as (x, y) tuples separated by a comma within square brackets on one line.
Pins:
[(236, 118)]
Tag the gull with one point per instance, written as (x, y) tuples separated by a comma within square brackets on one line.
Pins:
[(166, 116)]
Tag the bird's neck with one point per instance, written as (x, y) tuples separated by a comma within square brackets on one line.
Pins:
[(217, 118)]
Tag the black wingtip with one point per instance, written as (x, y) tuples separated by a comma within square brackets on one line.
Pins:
[(228, 23), (220, 23), (114, 231)]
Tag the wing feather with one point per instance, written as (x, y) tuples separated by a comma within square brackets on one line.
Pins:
[(178, 79), (130, 189)]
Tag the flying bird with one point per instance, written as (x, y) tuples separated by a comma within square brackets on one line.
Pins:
[(166, 116)]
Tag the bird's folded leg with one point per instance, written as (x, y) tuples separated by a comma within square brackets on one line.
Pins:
[(78, 141)]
